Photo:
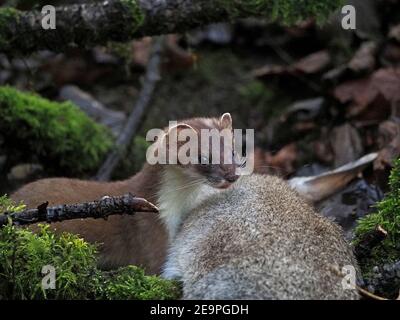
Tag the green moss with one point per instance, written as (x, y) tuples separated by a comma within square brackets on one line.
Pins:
[(23, 255), (136, 13), (388, 213), (6, 205), (284, 11), (131, 283), (388, 217), (58, 135), (7, 15)]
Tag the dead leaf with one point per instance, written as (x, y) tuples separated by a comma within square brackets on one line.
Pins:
[(335, 74), (364, 91), (141, 51), (364, 58), (270, 70), (319, 187), (391, 54), (310, 64), (353, 91), (388, 143), (313, 63), (323, 151), (176, 56), (387, 82), (394, 33), (380, 89), (280, 163), (346, 144)]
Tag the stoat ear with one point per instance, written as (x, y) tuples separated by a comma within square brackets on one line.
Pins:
[(176, 128), (179, 127), (226, 120)]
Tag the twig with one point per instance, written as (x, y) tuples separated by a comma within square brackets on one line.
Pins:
[(361, 291), (368, 294), (126, 204), (369, 241), (132, 125)]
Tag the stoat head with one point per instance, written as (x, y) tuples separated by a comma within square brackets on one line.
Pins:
[(217, 169)]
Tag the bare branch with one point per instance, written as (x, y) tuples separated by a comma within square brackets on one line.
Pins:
[(136, 117), (126, 204)]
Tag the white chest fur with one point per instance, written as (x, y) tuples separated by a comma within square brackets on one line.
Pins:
[(177, 196)]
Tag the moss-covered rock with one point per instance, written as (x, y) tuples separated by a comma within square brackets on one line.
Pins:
[(23, 255), (57, 135)]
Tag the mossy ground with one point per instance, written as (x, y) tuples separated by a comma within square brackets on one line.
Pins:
[(57, 135), (23, 254), (388, 217)]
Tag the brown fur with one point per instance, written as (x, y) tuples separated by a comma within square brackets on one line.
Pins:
[(140, 239)]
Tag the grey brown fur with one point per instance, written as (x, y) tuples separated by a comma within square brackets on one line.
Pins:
[(259, 240)]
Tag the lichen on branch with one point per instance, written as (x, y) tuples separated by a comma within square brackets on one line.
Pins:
[(283, 11), (136, 13), (98, 23)]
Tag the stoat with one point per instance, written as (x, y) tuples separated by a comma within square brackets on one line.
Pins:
[(141, 239), (260, 240)]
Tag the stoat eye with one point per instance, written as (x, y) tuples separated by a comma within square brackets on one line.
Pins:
[(203, 160)]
